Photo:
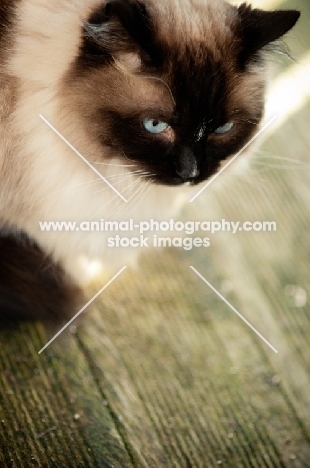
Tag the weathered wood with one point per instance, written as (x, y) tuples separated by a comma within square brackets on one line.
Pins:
[(162, 373), (52, 413)]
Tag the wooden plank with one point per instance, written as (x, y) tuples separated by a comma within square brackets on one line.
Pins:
[(184, 374), (52, 413)]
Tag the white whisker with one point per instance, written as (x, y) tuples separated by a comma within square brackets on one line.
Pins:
[(124, 174), (135, 182), (113, 165), (125, 177), (161, 81), (282, 166), (148, 186), (81, 185), (121, 208), (266, 159), (136, 194)]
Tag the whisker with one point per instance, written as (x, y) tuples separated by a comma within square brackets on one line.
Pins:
[(282, 166), (161, 81), (82, 185), (114, 197), (266, 154), (115, 183), (148, 186), (113, 165), (125, 174), (247, 121), (131, 199), (121, 178), (125, 70), (131, 160), (122, 208), (124, 190), (273, 161)]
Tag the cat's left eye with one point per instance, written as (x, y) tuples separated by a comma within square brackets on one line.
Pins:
[(155, 126), (224, 128)]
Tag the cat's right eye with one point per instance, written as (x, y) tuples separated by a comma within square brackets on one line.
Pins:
[(155, 126), (224, 128)]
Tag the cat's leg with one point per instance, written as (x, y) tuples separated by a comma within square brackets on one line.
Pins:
[(32, 286)]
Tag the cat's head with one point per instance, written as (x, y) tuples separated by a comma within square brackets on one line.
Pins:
[(175, 86)]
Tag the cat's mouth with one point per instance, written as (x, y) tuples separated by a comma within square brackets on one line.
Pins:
[(176, 181)]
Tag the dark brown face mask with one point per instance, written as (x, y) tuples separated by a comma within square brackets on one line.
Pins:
[(209, 83)]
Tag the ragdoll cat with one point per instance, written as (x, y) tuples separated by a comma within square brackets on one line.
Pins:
[(154, 93)]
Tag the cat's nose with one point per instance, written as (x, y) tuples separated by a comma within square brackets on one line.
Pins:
[(186, 165)]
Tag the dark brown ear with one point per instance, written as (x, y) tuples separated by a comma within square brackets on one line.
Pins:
[(259, 28), (120, 26)]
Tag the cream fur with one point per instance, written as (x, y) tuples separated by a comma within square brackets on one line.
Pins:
[(41, 179)]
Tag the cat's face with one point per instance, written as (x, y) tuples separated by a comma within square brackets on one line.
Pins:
[(176, 88)]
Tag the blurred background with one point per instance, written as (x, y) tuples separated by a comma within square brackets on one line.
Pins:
[(163, 373)]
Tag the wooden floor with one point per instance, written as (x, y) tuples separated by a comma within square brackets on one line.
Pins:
[(163, 373)]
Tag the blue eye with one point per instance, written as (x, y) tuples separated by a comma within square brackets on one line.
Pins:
[(154, 126), (224, 129)]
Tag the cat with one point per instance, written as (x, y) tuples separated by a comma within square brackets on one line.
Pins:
[(154, 94)]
